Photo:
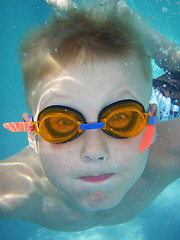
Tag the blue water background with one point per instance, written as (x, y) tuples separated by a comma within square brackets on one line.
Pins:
[(162, 219)]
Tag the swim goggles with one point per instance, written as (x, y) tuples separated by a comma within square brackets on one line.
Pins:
[(61, 124)]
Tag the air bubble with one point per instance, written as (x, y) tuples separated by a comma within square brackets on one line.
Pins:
[(164, 9), (75, 7), (164, 85)]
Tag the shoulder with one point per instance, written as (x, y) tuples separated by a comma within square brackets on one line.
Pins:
[(24, 163), (19, 182)]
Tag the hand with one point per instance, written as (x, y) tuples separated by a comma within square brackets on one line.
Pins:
[(66, 3), (59, 3)]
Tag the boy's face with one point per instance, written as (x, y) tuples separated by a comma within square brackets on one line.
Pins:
[(73, 167)]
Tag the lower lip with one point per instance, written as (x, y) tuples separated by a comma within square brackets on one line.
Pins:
[(100, 178)]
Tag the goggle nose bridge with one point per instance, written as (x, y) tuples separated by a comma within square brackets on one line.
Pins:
[(89, 126)]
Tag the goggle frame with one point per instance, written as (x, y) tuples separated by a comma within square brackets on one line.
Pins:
[(82, 125)]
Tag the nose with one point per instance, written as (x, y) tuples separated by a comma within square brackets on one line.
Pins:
[(94, 147)]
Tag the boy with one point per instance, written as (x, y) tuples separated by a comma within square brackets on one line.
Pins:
[(83, 67)]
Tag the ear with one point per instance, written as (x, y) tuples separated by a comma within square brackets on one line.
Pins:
[(154, 109), (26, 117), (31, 137)]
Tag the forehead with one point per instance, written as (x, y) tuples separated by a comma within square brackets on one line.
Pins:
[(98, 84)]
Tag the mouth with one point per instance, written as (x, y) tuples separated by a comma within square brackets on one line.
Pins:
[(99, 178)]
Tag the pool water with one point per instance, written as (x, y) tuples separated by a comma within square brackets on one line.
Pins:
[(161, 220)]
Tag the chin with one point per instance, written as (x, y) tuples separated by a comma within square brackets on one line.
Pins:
[(99, 201)]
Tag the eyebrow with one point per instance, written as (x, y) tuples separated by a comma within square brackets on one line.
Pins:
[(56, 98), (120, 95)]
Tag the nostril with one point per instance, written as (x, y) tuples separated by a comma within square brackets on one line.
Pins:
[(86, 158), (103, 159), (94, 158)]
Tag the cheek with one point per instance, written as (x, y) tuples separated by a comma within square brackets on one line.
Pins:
[(127, 149), (127, 157), (57, 162)]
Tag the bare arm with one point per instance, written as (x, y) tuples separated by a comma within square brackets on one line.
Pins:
[(165, 52)]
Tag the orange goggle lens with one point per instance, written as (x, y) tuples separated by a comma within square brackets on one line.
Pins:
[(124, 120), (58, 125)]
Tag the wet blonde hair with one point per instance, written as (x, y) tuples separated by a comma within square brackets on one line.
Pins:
[(80, 35)]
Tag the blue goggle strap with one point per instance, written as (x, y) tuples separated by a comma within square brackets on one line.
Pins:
[(89, 126)]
